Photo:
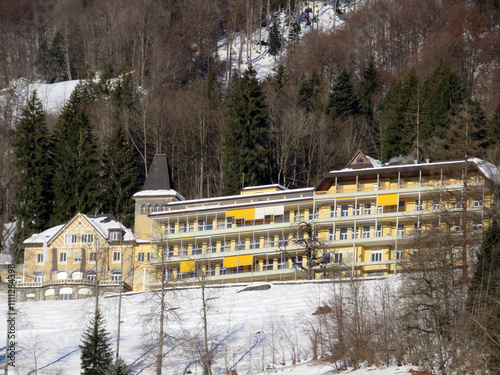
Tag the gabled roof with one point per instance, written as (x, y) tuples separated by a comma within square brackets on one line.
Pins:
[(101, 223), (361, 160), (159, 176)]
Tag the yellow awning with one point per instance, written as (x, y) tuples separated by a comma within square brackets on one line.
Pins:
[(388, 199), (249, 214), (230, 262), (346, 199), (240, 214), (230, 213), (235, 261), (187, 266), (245, 260)]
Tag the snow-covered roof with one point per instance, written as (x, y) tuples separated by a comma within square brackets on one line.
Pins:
[(376, 163), (490, 171), (102, 224), (281, 187), (159, 193), (241, 197)]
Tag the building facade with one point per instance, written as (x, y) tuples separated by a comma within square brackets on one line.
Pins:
[(365, 217), (75, 259)]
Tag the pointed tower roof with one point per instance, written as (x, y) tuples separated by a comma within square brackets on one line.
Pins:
[(159, 174)]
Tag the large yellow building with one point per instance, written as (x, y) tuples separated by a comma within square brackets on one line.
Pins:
[(363, 216), (363, 219)]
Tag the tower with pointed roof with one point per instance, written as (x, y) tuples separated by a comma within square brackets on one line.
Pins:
[(154, 196)]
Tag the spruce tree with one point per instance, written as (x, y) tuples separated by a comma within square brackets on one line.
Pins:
[(484, 295), (275, 37), (119, 181), (343, 101), (442, 94), (96, 354), (494, 128), (55, 62), (247, 136), (294, 34), (369, 85), (394, 114), (33, 195), (75, 161)]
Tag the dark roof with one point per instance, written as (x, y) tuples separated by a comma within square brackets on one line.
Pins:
[(159, 175)]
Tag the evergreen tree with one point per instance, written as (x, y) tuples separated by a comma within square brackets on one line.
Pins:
[(442, 94), (119, 178), (280, 79), (484, 295), (247, 137), (33, 196), (96, 354), (55, 62), (342, 101), (369, 85), (395, 117), (75, 162), (294, 34), (275, 37), (117, 368), (494, 128)]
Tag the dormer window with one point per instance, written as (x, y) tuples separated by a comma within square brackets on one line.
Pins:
[(114, 235), (361, 160)]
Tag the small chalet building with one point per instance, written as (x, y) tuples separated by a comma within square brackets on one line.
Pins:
[(70, 260)]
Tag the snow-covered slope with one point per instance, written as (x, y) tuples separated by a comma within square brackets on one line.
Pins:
[(243, 323)]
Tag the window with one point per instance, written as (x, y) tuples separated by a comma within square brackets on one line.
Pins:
[(477, 203), (229, 222), (116, 276), (209, 224), (197, 249), (222, 271), (361, 160), (269, 242), (149, 256), (18, 279), (114, 236), (39, 277), (356, 208), (87, 238), (417, 228), (281, 264), (144, 209), (337, 258), (210, 271), (343, 233), (366, 232), (239, 244), (367, 208), (378, 233), (313, 215), (344, 210), (380, 209), (376, 256), (182, 251), (92, 256), (140, 256), (77, 258), (254, 243), (225, 246), (436, 205), (39, 258), (183, 227), (62, 257), (333, 211), (331, 234), (401, 229), (116, 256), (64, 297), (418, 205), (282, 240), (211, 247), (477, 225), (267, 265), (170, 228), (399, 254), (201, 225)]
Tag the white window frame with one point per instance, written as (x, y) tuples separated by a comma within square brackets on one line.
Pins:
[(140, 256), (116, 276), (39, 277), (63, 257), (116, 256), (376, 256), (39, 258), (92, 257)]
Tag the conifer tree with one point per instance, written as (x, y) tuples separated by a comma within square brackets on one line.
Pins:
[(394, 114), (96, 354), (55, 62), (119, 181), (484, 295), (442, 94), (343, 101), (294, 34), (75, 161), (247, 137), (33, 196), (275, 37), (494, 128), (369, 85)]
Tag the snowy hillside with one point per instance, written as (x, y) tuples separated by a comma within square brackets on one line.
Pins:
[(249, 329)]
